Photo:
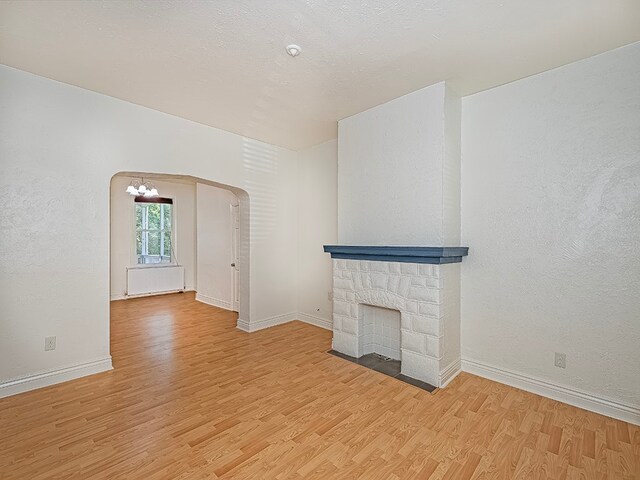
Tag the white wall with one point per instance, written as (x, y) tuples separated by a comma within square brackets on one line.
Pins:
[(214, 245), (66, 143), (550, 195), (551, 213), (123, 253), (394, 184), (317, 226)]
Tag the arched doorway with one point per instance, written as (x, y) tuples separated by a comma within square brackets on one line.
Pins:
[(132, 248)]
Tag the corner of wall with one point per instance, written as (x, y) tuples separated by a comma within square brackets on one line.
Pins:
[(451, 172), (316, 225)]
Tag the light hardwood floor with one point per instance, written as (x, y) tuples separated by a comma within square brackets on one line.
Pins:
[(192, 397)]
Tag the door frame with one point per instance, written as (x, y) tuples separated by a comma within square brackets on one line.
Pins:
[(235, 256)]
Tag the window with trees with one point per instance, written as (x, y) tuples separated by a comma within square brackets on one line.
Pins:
[(154, 221)]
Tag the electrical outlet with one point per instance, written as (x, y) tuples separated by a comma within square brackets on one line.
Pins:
[(561, 360), (49, 343)]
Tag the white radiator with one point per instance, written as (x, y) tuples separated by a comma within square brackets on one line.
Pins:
[(151, 280)]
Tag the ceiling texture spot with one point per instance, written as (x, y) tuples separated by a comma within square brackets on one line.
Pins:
[(223, 62)]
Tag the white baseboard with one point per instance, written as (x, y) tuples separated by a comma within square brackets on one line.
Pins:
[(266, 323), (215, 302), (153, 294), (120, 296), (577, 398), (32, 382), (317, 321), (243, 325), (450, 372), (285, 318)]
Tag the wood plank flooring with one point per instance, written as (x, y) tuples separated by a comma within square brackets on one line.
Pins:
[(192, 397)]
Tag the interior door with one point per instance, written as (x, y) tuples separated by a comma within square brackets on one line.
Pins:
[(235, 250)]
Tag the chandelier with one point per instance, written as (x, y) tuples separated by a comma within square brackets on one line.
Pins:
[(141, 188)]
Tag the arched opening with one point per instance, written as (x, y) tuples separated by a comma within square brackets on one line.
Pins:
[(155, 241)]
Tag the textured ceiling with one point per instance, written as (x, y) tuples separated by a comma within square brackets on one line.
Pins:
[(223, 63)]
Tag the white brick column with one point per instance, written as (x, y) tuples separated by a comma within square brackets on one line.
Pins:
[(427, 297)]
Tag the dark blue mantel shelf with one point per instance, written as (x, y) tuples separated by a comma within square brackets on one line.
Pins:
[(436, 255)]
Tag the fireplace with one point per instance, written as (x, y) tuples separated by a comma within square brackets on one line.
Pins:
[(412, 294)]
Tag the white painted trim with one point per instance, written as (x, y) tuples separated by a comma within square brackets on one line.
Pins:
[(32, 382), (243, 325), (266, 322), (317, 321), (285, 318), (577, 398), (215, 302), (153, 294), (450, 372), (116, 296)]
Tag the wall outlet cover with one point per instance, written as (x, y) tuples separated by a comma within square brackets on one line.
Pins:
[(561, 360), (49, 343)]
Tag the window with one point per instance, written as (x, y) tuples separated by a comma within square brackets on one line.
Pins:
[(154, 221)]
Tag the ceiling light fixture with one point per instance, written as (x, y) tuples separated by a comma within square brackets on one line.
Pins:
[(141, 188), (293, 50)]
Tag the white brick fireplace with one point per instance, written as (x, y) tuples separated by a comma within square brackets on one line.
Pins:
[(399, 232), (426, 296)]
